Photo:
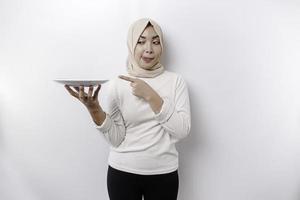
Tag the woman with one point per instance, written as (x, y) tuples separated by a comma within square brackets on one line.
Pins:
[(148, 113)]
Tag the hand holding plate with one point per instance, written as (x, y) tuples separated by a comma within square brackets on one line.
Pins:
[(88, 99)]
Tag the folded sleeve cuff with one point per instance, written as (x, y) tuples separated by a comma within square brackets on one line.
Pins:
[(166, 111), (106, 124)]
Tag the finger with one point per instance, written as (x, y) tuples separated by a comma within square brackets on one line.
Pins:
[(126, 78), (134, 92), (77, 89), (81, 92), (132, 84), (90, 94), (74, 94), (97, 91)]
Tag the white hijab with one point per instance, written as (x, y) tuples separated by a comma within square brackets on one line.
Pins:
[(135, 31)]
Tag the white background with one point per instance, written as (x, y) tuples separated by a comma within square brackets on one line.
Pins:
[(241, 62)]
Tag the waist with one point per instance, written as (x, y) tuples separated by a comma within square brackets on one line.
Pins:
[(143, 162)]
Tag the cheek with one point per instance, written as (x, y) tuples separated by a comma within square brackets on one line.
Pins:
[(137, 53), (158, 50)]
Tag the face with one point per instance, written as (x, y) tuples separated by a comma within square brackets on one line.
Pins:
[(148, 49)]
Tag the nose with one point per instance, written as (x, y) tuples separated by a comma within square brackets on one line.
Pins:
[(148, 48)]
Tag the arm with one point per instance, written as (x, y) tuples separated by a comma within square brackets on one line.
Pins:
[(174, 115), (97, 114), (111, 124), (155, 102), (112, 127), (142, 90)]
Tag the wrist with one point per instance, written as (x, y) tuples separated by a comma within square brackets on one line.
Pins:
[(98, 115), (152, 97), (94, 109), (155, 102)]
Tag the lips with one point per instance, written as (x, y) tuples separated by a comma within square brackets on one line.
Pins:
[(147, 60)]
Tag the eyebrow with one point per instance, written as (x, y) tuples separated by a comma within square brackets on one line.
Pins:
[(154, 37)]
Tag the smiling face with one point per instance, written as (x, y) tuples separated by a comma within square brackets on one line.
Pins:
[(148, 49)]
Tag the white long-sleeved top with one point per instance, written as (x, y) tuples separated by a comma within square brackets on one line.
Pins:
[(143, 142)]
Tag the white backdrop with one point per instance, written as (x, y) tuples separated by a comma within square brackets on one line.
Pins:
[(240, 59)]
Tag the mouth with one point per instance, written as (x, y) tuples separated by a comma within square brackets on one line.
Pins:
[(147, 60)]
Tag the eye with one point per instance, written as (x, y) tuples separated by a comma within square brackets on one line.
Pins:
[(156, 42), (141, 42)]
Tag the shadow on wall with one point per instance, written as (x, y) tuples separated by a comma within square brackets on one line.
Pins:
[(192, 148), (1, 124), (166, 56), (195, 141)]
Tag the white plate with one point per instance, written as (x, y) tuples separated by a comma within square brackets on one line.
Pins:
[(73, 82)]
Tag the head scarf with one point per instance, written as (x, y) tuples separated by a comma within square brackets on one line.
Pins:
[(135, 31)]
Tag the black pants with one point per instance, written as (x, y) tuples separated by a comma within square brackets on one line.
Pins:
[(128, 186)]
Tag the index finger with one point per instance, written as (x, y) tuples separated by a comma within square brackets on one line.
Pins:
[(126, 78), (74, 94)]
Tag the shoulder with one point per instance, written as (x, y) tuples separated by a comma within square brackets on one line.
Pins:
[(178, 78), (115, 82), (111, 83), (118, 87), (113, 86)]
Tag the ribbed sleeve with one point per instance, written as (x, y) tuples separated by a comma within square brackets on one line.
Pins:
[(113, 127), (175, 114)]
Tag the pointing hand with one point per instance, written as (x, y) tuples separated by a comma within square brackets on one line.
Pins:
[(140, 88)]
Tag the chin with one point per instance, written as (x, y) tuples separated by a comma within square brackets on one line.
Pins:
[(147, 67)]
